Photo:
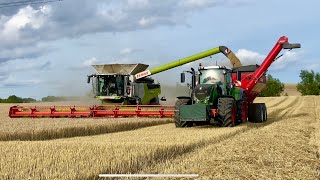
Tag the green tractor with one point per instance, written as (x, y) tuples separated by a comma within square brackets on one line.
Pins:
[(214, 99), (225, 96)]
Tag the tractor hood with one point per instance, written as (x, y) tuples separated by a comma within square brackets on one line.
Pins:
[(120, 69)]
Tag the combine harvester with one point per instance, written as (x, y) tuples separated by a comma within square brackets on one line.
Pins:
[(219, 94)]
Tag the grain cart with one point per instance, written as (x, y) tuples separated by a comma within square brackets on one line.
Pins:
[(225, 96)]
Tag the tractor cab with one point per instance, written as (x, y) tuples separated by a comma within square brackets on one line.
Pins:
[(214, 75), (213, 81)]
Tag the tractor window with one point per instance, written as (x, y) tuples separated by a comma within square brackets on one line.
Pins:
[(211, 76)]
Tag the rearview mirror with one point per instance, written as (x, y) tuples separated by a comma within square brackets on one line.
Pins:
[(183, 78)]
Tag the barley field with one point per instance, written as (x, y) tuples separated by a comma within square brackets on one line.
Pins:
[(287, 146)]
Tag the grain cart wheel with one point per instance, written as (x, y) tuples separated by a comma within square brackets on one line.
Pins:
[(257, 113), (177, 120), (226, 111)]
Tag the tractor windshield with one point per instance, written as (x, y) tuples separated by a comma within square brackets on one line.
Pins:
[(211, 76)]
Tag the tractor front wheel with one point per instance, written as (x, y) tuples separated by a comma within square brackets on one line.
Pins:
[(177, 119), (226, 112)]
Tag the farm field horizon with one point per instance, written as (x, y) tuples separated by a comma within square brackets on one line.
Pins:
[(286, 146)]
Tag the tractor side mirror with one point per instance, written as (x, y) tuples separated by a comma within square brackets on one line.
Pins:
[(183, 78), (163, 99), (88, 80), (291, 46)]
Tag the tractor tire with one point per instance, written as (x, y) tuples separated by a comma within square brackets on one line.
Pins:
[(257, 113), (226, 109), (177, 120)]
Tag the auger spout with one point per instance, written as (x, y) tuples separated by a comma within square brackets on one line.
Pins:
[(226, 51)]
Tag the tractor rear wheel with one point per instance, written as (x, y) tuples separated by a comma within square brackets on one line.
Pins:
[(177, 119), (226, 111), (257, 113)]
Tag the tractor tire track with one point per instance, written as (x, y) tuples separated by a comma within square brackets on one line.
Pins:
[(189, 149), (164, 155), (300, 131), (247, 127), (283, 111), (277, 103)]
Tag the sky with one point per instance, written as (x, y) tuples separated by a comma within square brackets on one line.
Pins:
[(48, 49)]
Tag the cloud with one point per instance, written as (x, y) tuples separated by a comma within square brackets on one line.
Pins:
[(90, 62), (289, 58), (248, 57), (127, 51), (30, 26), (8, 71), (13, 82)]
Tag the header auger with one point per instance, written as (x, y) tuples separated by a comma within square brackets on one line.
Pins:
[(219, 94)]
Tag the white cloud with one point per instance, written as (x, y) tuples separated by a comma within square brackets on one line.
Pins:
[(248, 57), (89, 62), (31, 25), (127, 51), (15, 82), (199, 3), (26, 17)]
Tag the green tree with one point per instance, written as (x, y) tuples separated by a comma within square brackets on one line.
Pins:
[(310, 83), (273, 87), (13, 99)]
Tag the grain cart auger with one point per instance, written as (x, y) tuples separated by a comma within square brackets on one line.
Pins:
[(125, 84), (225, 96)]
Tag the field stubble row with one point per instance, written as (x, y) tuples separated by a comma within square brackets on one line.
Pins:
[(244, 151)]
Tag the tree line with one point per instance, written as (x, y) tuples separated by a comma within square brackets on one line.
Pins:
[(309, 85), (16, 99)]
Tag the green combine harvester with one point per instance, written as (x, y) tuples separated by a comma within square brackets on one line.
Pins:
[(115, 83)]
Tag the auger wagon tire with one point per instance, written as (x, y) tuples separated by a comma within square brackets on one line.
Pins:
[(226, 106), (257, 113), (177, 120)]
